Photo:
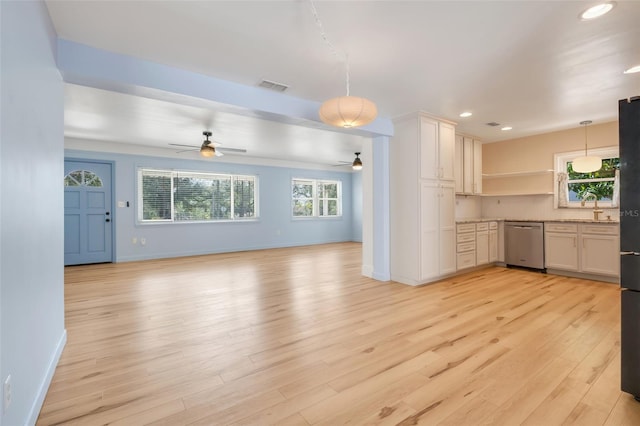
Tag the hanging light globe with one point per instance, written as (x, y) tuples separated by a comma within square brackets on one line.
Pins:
[(348, 111), (586, 164)]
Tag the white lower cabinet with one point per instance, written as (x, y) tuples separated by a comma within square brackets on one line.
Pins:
[(561, 246), (600, 253), (477, 244), (438, 239), (466, 245), (493, 242), (482, 243), (588, 248)]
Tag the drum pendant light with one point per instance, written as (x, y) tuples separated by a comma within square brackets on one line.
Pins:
[(344, 111), (586, 163)]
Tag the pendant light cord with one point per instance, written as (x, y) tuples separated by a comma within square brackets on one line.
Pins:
[(333, 49), (585, 124)]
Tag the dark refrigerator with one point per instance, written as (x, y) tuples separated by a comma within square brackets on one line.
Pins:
[(629, 124)]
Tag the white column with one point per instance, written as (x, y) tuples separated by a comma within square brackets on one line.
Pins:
[(375, 210)]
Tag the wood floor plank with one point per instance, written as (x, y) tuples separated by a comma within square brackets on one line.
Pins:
[(296, 336)]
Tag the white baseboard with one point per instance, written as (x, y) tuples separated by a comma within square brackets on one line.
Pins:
[(367, 271), (44, 386)]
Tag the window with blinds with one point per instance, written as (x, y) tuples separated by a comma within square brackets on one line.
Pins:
[(176, 196)]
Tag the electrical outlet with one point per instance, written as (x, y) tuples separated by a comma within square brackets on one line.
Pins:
[(143, 241), (7, 393)]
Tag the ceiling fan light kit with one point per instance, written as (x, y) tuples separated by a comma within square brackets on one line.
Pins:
[(586, 163), (207, 149), (357, 162)]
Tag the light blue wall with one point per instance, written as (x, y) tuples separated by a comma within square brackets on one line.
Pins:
[(31, 210), (356, 203), (274, 228)]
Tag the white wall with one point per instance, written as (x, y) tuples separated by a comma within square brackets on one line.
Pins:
[(31, 210), (521, 207)]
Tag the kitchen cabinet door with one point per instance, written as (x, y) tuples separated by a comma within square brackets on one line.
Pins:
[(482, 248), (459, 164), (447, 224), (493, 245), (429, 225), (477, 167), (467, 180), (600, 254), (429, 167), (446, 150), (561, 251)]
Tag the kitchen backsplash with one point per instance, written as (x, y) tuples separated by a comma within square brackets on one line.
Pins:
[(533, 207), (468, 207)]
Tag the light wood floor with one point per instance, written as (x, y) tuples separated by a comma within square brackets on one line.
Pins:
[(297, 336)]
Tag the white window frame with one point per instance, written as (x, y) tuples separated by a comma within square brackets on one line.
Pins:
[(561, 160), (194, 174), (315, 199)]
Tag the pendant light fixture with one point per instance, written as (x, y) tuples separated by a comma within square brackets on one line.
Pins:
[(357, 163), (587, 163), (344, 111)]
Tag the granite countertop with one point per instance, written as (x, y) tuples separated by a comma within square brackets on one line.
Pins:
[(484, 219), (480, 219)]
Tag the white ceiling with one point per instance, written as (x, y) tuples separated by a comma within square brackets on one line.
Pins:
[(532, 65)]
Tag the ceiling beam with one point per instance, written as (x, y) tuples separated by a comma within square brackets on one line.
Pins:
[(88, 66)]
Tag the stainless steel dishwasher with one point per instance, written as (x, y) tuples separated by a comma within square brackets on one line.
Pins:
[(524, 244)]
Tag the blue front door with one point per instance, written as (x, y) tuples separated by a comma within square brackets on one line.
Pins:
[(88, 215)]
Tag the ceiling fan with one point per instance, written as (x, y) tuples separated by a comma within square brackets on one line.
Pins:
[(209, 148), (356, 164)]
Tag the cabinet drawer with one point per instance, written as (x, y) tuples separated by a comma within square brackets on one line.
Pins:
[(493, 225), (466, 260), (464, 247), (483, 226), (561, 227), (466, 227), (465, 238), (600, 229)]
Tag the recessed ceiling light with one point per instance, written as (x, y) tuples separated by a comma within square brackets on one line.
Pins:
[(597, 11), (633, 69), (466, 114), (505, 128)]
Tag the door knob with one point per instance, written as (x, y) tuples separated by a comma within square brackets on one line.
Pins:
[(107, 220)]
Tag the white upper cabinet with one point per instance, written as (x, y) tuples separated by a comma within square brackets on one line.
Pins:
[(437, 149), (468, 164), (477, 167), (459, 165), (446, 150)]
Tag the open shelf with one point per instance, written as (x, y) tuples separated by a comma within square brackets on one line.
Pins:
[(516, 174), (509, 194)]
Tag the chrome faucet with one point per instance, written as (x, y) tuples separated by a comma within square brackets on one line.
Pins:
[(596, 210)]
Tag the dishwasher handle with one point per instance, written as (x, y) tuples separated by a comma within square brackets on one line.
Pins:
[(629, 253)]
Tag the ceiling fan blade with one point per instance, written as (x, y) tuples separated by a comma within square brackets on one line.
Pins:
[(219, 149), (223, 149), (188, 146)]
